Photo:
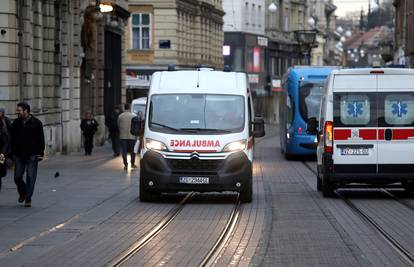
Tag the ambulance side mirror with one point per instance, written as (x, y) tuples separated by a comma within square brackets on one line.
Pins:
[(313, 125), (259, 127)]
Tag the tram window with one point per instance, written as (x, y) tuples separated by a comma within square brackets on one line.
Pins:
[(309, 99)]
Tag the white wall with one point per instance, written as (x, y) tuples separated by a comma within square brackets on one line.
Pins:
[(244, 16)]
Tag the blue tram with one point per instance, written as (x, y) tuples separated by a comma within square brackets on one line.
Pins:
[(302, 92)]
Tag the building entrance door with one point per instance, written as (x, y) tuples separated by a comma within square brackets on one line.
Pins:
[(112, 71)]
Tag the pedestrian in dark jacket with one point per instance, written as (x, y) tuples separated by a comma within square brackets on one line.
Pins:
[(4, 150), (89, 127), (6, 121), (28, 145), (112, 124)]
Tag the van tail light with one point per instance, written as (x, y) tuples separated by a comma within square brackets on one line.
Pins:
[(328, 137)]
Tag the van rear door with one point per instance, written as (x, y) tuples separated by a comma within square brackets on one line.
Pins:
[(355, 124), (396, 124)]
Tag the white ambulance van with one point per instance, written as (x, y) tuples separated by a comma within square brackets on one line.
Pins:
[(138, 105), (199, 134), (366, 129)]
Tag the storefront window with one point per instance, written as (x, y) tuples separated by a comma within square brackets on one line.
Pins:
[(238, 59)]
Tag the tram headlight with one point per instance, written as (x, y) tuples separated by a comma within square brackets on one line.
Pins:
[(235, 146), (151, 144)]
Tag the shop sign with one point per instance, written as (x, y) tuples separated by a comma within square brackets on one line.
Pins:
[(138, 78), (262, 41), (277, 85), (226, 50), (253, 78)]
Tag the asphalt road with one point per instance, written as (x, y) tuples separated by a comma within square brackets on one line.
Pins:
[(91, 216)]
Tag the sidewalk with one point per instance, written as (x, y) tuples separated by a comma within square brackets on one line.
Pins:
[(84, 185)]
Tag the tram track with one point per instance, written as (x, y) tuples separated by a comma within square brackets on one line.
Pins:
[(211, 256), (225, 236), (405, 254), (394, 243), (139, 244), (406, 204)]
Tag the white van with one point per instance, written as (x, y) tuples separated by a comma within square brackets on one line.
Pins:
[(199, 134), (138, 105), (366, 129)]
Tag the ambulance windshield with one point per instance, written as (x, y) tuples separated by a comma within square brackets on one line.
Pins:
[(310, 95), (197, 113)]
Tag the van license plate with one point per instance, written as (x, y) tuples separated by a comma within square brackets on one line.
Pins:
[(354, 151), (194, 180)]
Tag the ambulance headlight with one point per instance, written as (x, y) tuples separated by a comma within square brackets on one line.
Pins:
[(151, 144), (235, 146)]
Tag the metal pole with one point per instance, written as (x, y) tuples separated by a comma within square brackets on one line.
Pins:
[(20, 26)]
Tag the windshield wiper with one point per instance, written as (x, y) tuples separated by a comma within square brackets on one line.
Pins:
[(165, 126), (206, 130)]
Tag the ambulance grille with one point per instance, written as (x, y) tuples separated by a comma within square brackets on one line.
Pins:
[(194, 164)]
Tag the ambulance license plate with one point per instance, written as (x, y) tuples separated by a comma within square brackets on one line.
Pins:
[(194, 180), (348, 151)]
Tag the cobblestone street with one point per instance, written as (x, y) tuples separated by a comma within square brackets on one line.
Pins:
[(90, 214)]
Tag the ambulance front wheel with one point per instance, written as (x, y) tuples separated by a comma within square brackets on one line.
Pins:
[(408, 186), (144, 195), (246, 195)]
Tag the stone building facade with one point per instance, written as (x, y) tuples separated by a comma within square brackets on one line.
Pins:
[(41, 59), (404, 33), (184, 33), (245, 41), (323, 13)]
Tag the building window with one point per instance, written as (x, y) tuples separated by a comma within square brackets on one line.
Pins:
[(141, 31)]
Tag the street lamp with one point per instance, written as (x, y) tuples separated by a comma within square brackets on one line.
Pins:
[(306, 40), (272, 9), (103, 7), (311, 22)]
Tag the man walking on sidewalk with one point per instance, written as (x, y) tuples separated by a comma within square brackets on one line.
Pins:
[(112, 124), (28, 145), (127, 139)]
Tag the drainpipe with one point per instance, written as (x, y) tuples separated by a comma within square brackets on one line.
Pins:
[(20, 27)]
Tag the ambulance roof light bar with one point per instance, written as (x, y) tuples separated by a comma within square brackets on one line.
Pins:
[(227, 68), (204, 67), (171, 67)]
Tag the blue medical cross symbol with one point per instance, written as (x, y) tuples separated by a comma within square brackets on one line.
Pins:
[(399, 109), (355, 109)]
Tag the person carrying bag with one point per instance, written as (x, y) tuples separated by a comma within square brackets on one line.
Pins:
[(137, 129)]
